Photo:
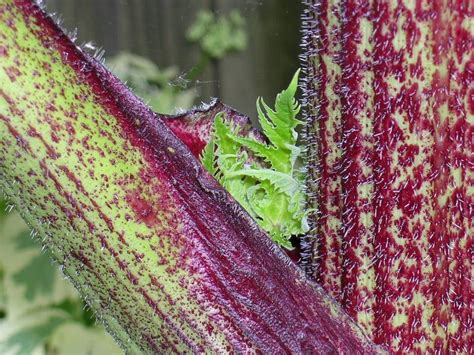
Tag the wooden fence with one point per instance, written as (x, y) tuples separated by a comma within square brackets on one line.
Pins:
[(156, 29)]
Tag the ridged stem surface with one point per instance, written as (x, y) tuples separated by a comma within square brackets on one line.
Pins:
[(391, 166)]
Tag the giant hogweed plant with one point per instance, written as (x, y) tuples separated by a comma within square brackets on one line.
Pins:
[(158, 249), (170, 261)]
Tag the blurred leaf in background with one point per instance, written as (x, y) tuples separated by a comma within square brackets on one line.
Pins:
[(3, 294), (3, 291), (29, 338), (40, 312), (3, 208), (218, 35), (163, 89), (151, 83), (38, 275)]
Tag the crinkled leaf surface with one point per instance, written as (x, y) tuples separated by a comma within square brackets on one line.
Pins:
[(269, 186)]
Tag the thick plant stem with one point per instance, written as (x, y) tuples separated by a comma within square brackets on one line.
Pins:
[(159, 250), (395, 199)]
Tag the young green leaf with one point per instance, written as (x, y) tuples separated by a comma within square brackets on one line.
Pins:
[(260, 175)]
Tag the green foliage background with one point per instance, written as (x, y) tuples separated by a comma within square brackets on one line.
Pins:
[(40, 311)]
